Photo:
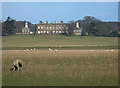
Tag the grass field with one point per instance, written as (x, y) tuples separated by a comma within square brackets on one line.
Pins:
[(81, 61), (62, 68), (67, 42)]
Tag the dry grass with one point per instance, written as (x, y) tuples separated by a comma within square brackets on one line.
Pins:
[(62, 68)]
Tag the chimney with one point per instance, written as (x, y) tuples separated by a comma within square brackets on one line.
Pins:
[(46, 21), (40, 22), (61, 21)]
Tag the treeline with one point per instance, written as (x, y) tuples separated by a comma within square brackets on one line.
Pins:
[(95, 27), (11, 26), (91, 26)]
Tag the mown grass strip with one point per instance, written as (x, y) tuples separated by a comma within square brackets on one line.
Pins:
[(61, 48)]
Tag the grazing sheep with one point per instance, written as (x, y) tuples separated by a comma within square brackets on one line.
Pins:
[(112, 50), (91, 50), (56, 50), (17, 65), (50, 49)]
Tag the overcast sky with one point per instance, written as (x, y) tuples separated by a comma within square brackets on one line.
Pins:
[(66, 11)]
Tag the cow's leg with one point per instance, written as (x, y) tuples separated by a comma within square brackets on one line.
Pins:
[(18, 68), (13, 68)]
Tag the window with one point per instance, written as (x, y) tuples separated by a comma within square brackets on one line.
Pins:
[(47, 27), (41, 27), (50, 27), (38, 27), (56, 31), (63, 32), (57, 27), (54, 27), (53, 31), (60, 27), (44, 27), (44, 31), (41, 31), (38, 32), (48, 32), (59, 31)]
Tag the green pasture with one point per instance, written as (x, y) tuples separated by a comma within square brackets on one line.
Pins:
[(19, 42)]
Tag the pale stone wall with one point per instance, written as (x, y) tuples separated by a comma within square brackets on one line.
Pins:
[(50, 28)]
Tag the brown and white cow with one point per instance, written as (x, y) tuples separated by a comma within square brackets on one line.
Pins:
[(17, 65)]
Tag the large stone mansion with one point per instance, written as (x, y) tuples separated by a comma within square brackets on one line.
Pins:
[(51, 28)]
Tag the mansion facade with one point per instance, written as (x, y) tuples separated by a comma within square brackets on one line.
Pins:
[(51, 28)]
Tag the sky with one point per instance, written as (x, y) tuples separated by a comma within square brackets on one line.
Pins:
[(57, 11)]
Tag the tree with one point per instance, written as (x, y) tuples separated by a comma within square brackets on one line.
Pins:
[(8, 26), (83, 33), (103, 29), (88, 24), (71, 26), (114, 33)]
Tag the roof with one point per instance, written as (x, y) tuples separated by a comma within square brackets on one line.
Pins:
[(51, 24)]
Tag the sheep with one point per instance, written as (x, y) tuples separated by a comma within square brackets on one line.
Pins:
[(112, 50), (53, 50), (17, 65), (56, 50), (50, 49), (91, 50), (107, 50), (27, 49)]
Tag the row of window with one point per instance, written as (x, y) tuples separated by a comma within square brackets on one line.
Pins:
[(25, 31), (78, 33), (51, 27), (39, 32), (77, 30)]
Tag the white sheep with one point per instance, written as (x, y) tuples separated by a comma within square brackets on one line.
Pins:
[(56, 50), (112, 50), (50, 49)]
